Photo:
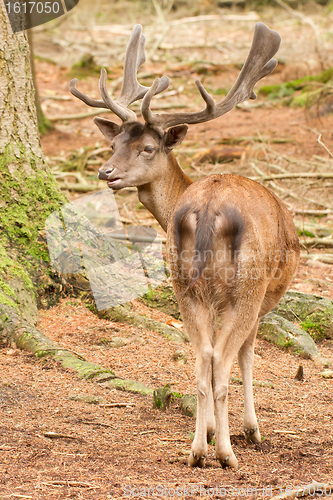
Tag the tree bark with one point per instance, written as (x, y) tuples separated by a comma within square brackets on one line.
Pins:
[(29, 192)]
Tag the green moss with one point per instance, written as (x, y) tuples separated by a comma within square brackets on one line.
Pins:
[(314, 329), (29, 194), (85, 67), (26, 202), (130, 386), (304, 232), (5, 300), (162, 397), (163, 299)]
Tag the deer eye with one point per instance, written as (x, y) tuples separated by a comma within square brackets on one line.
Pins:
[(148, 149)]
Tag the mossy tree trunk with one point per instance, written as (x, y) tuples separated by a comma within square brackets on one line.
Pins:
[(29, 192)]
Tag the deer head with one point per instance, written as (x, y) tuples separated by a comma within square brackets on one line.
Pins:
[(140, 151)]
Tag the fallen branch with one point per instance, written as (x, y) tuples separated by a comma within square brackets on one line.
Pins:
[(300, 175), (324, 242), (80, 187), (326, 258), (311, 212), (81, 116)]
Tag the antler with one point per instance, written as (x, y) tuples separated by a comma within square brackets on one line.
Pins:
[(131, 89), (258, 64)]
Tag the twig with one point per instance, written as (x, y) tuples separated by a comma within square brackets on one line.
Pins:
[(55, 435), (17, 495), (299, 198), (70, 483), (148, 432), (117, 405), (174, 439), (283, 432), (93, 422), (324, 146), (308, 21)]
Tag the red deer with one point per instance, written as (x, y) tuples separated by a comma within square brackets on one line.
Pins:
[(231, 243)]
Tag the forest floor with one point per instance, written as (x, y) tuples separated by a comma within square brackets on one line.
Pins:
[(101, 452)]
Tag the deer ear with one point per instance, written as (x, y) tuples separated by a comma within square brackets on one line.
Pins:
[(108, 128), (174, 136)]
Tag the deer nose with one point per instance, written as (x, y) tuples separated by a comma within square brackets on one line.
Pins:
[(104, 174)]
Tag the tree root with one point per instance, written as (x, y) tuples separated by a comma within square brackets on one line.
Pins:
[(124, 314), (15, 329)]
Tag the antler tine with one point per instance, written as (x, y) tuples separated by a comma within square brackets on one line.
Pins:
[(258, 64), (131, 89), (95, 103), (146, 112), (119, 109)]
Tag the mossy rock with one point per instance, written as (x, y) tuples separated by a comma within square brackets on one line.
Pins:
[(314, 313), (188, 405), (162, 397), (162, 298), (287, 335)]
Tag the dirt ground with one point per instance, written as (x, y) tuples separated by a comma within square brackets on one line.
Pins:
[(101, 452)]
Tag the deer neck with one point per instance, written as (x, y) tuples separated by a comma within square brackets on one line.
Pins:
[(160, 196)]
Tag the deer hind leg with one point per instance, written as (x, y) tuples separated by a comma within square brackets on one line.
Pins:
[(198, 325), (245, 361), (210, 415), (228, 342)]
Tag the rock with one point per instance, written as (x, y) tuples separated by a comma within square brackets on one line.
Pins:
[(119, 342), (287, 335), (188, 405), (327, 374), (180, 356), (162, 397), (300, 373), (315, 313)]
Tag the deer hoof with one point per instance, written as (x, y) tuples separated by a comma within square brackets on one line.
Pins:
[(252, 434), (228, 461), (195, 460)]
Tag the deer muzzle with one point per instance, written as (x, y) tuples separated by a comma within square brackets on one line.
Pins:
[(104, 175)]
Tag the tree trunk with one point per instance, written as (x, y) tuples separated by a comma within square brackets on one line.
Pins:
[(44, 123), (29, 192)]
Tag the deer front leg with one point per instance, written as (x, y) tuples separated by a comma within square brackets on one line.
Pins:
[(245, 361)]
